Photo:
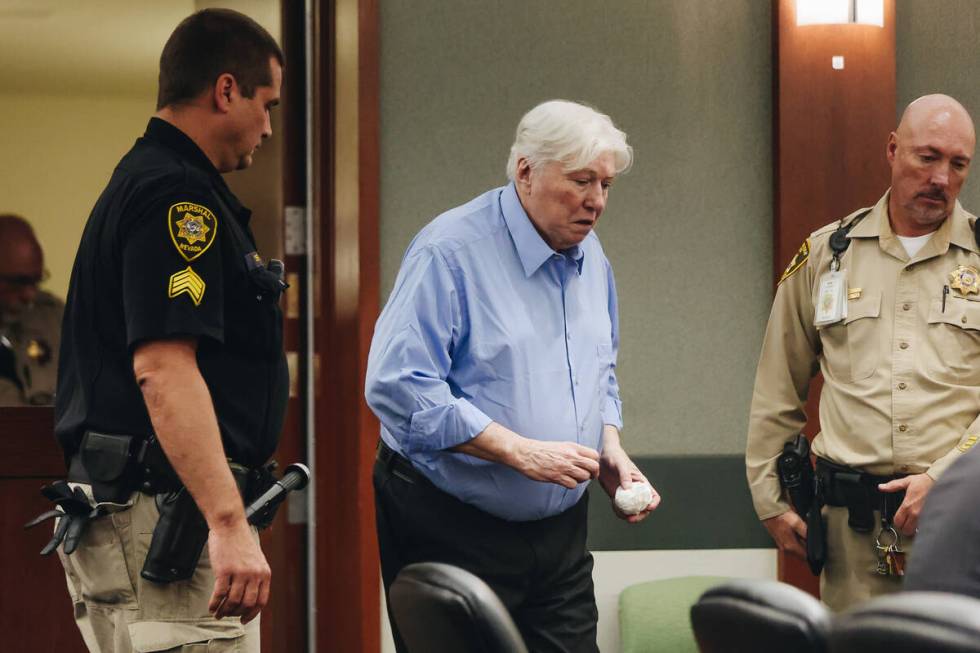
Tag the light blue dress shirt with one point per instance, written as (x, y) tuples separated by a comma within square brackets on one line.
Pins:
[(487, 323)]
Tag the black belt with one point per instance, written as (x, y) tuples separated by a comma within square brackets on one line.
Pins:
[(395, 463), (116, 465), (843, 486)]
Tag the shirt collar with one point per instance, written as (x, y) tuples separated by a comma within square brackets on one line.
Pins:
[(531, 247), (169, 135), (955, 230)]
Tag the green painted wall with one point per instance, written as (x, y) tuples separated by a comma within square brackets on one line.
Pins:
[(689, 230)]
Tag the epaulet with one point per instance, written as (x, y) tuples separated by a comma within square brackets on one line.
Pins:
[(803, 254), (837, 224)]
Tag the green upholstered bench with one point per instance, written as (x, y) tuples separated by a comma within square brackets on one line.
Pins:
[(655, 616)]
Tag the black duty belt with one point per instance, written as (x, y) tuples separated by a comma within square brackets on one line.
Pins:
[(856, 490), (398, 465), (116, 465)]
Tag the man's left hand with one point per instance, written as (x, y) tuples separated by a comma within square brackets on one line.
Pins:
[(916, 488), (617, 470)]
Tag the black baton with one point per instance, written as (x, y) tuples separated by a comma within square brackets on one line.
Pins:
[(296, 477)]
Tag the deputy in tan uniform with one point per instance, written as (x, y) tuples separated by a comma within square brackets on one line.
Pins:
[(901, 364), (30, 319)]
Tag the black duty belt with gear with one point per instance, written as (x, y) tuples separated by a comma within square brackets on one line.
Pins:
[(118, 465), (115, 466), (857, 491)]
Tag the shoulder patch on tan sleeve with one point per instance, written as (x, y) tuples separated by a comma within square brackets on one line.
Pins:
[(967, 444), (801, 256), (192, 228)]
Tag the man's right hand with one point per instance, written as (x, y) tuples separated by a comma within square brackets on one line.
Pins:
[(564, 463), (789, 533), (241, 573)]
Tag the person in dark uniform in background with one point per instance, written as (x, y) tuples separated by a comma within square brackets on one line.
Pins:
[(172, 331), (30, 318)]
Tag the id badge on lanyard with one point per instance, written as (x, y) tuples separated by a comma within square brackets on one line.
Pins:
[(831, 296)]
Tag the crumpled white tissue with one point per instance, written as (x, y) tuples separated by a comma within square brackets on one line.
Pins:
[(635, 499)]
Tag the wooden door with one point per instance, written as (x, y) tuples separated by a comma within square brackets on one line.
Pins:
[(35, 609)]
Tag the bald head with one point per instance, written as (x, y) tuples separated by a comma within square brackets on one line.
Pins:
[(929, 154), (21, 264), (931, 113)]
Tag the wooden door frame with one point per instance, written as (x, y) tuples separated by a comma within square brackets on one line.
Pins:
[(344, 62)]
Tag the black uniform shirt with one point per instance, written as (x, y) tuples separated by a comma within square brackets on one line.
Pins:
[(167, 252)]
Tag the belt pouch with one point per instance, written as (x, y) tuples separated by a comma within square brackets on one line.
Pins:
[(857, 497), (110, 462)]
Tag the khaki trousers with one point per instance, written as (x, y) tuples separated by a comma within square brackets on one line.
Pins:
[(848, 576), (117, 611)]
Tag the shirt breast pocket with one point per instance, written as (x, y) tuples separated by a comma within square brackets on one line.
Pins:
[(851, 346), (954, 336)]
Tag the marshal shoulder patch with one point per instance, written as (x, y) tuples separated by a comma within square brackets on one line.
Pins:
[(801, 256), (192, 228), (187, 281)]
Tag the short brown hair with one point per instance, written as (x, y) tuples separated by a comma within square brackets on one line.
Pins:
[(208, 44)]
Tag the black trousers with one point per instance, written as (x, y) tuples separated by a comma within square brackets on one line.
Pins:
[(541, 570)]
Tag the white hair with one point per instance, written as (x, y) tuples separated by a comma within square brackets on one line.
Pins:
[(568, 133)]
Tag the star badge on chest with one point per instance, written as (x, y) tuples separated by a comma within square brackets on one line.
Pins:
[(39, 351), (965, 279)]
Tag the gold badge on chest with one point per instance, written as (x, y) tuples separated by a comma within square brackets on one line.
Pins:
[(965, 279), (39, 351)]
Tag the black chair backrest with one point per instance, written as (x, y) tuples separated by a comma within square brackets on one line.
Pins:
[(747, 615), (933, 622), (440, 608)]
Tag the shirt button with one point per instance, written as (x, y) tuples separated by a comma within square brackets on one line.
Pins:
[(904, 345), (902, 385), (906, 307), (903, 428), (963, 319)]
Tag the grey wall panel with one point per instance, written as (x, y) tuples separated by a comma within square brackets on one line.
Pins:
[(706, 505), (937, 51), (688, 230)]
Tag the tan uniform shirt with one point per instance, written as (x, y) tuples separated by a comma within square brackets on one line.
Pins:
[(901, 372), (33, 337)]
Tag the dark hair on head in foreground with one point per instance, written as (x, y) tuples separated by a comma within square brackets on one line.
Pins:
[(212, 42)]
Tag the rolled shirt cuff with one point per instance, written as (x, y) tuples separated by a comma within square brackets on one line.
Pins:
[(612, 413), (444, 426)]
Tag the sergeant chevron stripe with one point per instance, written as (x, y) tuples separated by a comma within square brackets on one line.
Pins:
[(187, 281)]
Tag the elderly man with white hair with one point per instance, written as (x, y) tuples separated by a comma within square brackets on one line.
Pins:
[(492, 371)]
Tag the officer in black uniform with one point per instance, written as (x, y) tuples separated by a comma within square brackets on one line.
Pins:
[(172, 336)]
